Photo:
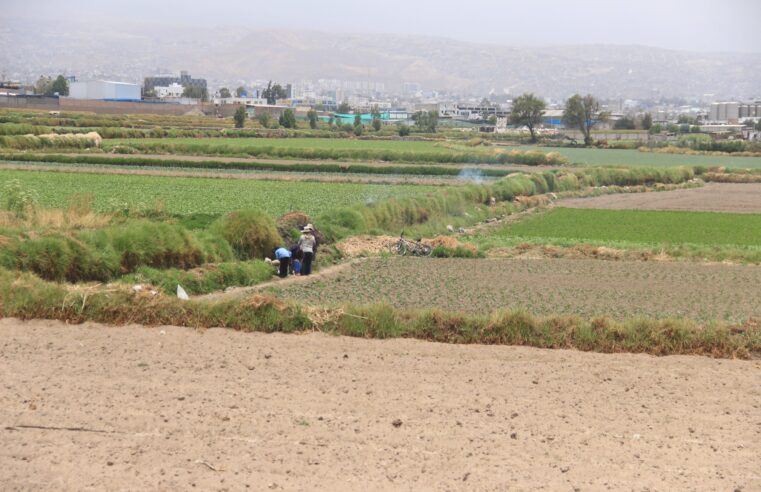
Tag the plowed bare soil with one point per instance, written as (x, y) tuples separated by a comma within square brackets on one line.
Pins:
[(713, 197), (95, 407), (619, 289)]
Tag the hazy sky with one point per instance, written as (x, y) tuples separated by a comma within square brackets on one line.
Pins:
[(699, 25)]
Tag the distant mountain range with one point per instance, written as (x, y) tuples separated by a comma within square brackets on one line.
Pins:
[(226, 55)]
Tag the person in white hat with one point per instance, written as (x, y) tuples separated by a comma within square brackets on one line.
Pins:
[(307, 244)]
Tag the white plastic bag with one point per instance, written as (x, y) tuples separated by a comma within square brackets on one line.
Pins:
[(182, 294)]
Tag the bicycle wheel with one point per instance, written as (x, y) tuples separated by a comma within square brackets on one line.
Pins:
[(398, 248)]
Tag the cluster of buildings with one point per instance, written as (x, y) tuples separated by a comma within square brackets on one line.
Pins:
[(338, 100)]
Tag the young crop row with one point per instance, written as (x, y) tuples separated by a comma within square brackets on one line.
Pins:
[(621, 290), (320, 167)]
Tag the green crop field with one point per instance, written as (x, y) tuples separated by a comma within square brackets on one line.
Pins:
[(182, 195), (635, 226), (291, 143), (620, 157)]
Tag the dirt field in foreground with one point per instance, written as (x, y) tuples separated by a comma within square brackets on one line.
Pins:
[(113, 408), (713, 197)]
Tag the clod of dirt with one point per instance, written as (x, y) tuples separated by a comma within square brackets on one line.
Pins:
[(397, 423), (346, 356), (267, 356), (513, 435)]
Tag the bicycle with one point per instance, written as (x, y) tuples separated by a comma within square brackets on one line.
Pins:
[(405, 247)]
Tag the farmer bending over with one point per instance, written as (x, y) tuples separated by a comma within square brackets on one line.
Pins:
[(284, 256)]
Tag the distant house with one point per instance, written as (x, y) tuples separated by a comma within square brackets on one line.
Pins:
[(185, 80), (171, 91)]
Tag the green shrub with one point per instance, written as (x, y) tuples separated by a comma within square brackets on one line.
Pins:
[(17, 199), (458, 252), (106, 253), (252, 234)]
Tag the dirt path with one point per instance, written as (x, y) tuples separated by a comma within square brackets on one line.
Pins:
[(713, 197), (116, 408), (236, 292)]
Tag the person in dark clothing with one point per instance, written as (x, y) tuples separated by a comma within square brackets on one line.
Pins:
[(296, 259), (284, 257)]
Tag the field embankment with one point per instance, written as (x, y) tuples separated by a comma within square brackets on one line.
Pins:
[(339, 149)]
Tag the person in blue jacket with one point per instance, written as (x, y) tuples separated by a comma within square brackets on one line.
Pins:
[(284, 256)]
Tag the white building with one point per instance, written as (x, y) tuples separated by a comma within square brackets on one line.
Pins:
[(104, 89), (171, 91)]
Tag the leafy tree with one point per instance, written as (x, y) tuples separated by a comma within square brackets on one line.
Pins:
[(583, 113), (344, 108), (240, 117), (224, 93), (241, 92), (624, 123), (426, 121), (312, 117), (358, 130), (695, 129), (686, 120), (647, 121), (274, 92), (377, 124), (758, 125), (527, 111), (195, 92), (287, 119), (492, 120), (49, 86), (264, 119), (357, 117), (61, 86), (43, 85), (404, 130), (656, 129)]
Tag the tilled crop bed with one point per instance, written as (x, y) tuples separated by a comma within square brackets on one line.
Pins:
[(713, 197), (620, 290)]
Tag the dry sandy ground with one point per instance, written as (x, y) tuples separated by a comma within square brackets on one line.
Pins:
[(175, 409), (713, 197)]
